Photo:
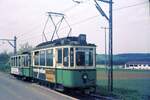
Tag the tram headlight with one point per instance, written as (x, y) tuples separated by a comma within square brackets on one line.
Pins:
[(85, 76)]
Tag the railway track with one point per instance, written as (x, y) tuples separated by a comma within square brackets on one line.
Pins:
[(77, 95), (73, 94), (82, 96)]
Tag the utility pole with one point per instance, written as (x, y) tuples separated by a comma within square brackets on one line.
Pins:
[(14, 44), (105, 31), (109, 77), (110, 47), (149, 7), (110, 51)]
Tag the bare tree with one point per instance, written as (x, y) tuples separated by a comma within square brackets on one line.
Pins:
[(25, 48)]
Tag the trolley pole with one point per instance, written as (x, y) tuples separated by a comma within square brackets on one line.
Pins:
[(14, 44)]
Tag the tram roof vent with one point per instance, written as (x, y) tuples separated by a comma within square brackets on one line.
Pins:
[(82, 39)]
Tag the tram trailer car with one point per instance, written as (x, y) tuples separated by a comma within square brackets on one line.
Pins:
[(65, 63), (20, 66)]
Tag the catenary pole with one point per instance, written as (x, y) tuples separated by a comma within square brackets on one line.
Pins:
[(14, 44), (110, 49)]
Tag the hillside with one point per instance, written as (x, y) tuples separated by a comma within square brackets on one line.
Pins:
[(120, 59)]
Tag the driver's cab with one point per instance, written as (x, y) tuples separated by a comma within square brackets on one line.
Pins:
[(76, 57)]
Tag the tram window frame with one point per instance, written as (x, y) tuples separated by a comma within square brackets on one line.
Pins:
[(59, 55), (42, 58), (11, 61), (14, 61), (91, 57), (29, 60), (49, 57), (17, 64), (80, 61), (87, 59), (71, 57), (36, 58), (19, 61), (65, 57), (26, 60)]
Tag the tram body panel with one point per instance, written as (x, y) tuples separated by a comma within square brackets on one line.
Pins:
[(14, 70), (26, 71), (75, 78)]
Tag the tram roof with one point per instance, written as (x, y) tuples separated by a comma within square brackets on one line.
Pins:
[(74, 41)]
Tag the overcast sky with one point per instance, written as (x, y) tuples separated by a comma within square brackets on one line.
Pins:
[(26, 19)]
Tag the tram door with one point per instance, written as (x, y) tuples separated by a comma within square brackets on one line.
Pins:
[(59, 65), (50, 72)]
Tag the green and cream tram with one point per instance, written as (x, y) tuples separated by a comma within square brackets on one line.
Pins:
[(67, 62), (20, 66)]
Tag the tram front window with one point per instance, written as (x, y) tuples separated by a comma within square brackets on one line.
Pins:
[(80, 58), (84, 57)]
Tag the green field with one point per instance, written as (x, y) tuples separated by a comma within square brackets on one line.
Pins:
[(128, 84)]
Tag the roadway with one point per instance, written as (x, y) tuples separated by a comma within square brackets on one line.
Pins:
[(13, 89)]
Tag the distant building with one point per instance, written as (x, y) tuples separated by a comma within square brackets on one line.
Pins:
[(137, 65)]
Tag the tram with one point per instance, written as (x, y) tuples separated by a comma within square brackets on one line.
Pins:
[(64, 63)]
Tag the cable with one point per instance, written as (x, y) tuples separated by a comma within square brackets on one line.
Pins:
[(70, 8), (117, 9), (28, 32), (44, 29), (31, 37), (125, 7), (31, 30)]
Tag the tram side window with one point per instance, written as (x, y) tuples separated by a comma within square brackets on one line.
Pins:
[(19, 60), (11, 62), (42, 58), (15, 61), (80, 58), (86, 58), (29, 60), (71, 57), (91, 58), (49, 57), (26, 60), (65, 54), (23, 61), (59, 56), (36, 61)]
